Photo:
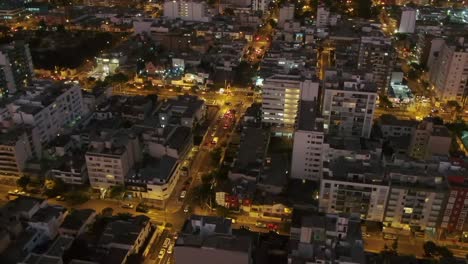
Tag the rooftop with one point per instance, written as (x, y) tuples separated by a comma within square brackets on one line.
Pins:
[(309, 116), (77, 218), (47, 213), (123, 232)]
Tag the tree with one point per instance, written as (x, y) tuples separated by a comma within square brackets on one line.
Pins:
[(23, 182), (54, 187), (124, 216), (244, 73), (363, 8), (385, 102), (430, 248), (77, 197), (117, 78), (395, 246), (117, 191), (228, 11), (215, 156)]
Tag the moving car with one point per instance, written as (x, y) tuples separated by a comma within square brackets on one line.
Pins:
[(60, 198), (169, 250), (187, 209)]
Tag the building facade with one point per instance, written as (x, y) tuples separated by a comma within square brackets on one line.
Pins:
[(16, 68)]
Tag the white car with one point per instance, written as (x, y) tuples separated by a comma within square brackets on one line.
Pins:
[(161, 253), (187, 209), (182, 194), (167, 242), (170, 248)]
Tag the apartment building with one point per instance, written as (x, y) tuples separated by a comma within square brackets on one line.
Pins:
[(348, 104), (260, 5), (155, 180), (16, 68), (323, 15), (186, 10), (15, 150), (449, 73), (455, 215), (428, 140), (185, 110), (70, 168), (211, 239), (281, 95), (285, 13), (307, 155), (377, 55), (416, 196), (49, 107), (110, 157), (407, 21), (354, 186), (333, 238), (393, 127)]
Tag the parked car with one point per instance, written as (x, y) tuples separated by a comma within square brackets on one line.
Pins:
[(142, 208), (389, 237), (166, 242), (187, 209), (60, 198), (170, 248), (127, 205), (161, 253), (183, 194)]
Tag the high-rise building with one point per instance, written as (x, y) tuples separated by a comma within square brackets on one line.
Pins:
[(323, 14), (354, 186), (285, 13), (307, 156), (377, 55), (110, 157), (260, 5), (15, 150), (281, 95), (449, 72), (16, 68), (416, 197), (49, 108), (456, 209), (186, 10), (428, 140), (407, 20), (348, 104)]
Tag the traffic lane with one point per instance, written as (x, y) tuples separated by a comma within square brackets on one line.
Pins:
[(406, 245)]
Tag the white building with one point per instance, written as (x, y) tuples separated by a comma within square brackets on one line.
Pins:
[(49, 108), (110, 158), (186, 10), (348, 105), (15, 150), (260, 5), (281, 95), (449, 72), (323, 15), (285, 13), (16, 68), (416, 196), (369, 189), (307, 156), (407, 21)]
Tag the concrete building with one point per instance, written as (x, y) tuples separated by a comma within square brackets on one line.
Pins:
[(185, 110), (285, 13), (77, 222), (449, 73), (11, 10), (155, 180), (327, 239), (71, 169), (416, 196), (377, 55), (407, 21), (281, 95), (323, 15), (110, 157), (393, 127), (429, 140), (456, 209), (210, 239), (15, 151), (173, 141), (260, 5), (307, 155), (49, 108), (348, 104), (123, 238), (186, 10), (16, 68), (48, 219), (354, 186)]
